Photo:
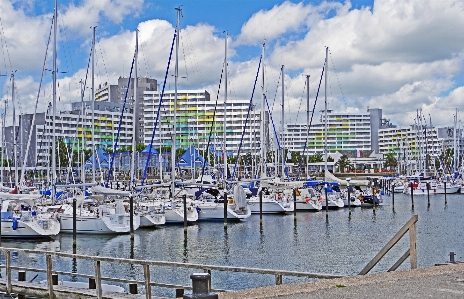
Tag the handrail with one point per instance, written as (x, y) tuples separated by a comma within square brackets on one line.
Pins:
[(146, 269), (411, 252)]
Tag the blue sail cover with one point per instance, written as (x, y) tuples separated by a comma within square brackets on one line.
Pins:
[(147, 149), (191, 158)]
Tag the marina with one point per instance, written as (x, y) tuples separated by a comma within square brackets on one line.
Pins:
[(341, 245)]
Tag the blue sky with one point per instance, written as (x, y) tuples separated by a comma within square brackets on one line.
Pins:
[(392, 54)]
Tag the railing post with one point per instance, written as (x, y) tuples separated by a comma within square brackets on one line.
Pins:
[(146, 273), (98, 279), (412, 246), (50, 277), (8, 271)]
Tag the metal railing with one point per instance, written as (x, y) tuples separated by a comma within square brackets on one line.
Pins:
[(146, 264), (411, 252)]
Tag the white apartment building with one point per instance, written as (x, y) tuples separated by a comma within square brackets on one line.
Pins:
[(345, 131), (73, 128), (195, 116)]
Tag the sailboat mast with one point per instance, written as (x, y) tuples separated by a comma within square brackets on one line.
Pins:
[(134, 109), (282, 126), (454, 145), (93, 106), (15, 144), (83, 133), (325, 110), (174, 136), (263, 107), (224, 148), (307, 118), (53, 176)]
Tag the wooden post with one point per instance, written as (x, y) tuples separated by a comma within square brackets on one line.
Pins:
[(8, 271), (21, 277), (261, 206), (278, 279), (428, 194), (92, 284), (294, 204), (326, 203), (50, 277), (412, 194), (133, 288), (131, 216), (393, 195), (412, 246), (98, 279), (74, 221), (446, 200), (146, 273), (349, 198), (225, 209), (373, 197), (185, 212), (179, 293)]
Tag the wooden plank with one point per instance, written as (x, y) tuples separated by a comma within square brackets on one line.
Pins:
[(400, 261), (146, 273), (98, 279), (412, 246), (389, 245), (49, 276)]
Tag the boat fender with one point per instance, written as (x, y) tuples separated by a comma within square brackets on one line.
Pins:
[(307, 199), (198, 209), (15, 224), (231, 201), (319, 198)]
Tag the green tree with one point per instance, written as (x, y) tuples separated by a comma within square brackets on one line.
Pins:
[(343, 163), (390, 161), (317, 157), (139, 147)]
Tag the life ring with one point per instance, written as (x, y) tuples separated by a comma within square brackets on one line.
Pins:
[(307, 199)]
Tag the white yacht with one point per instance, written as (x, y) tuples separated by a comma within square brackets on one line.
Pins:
[(272, 202), (20, 220), (308, 200)]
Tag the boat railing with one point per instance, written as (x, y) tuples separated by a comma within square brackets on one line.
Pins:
[(9, 285), (411, 252)]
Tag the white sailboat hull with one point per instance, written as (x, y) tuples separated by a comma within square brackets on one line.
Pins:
[(176, 216), (310, 206), (215, 211), (152, 219), (30, 229), (270, 206), (110, 224)]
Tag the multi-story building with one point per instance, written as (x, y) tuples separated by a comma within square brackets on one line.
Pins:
[(73, 129), (345, 132), (195, 121), (117, 94)]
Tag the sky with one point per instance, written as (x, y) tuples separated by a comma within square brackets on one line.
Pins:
[(398, 55)]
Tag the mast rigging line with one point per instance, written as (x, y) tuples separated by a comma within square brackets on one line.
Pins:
[(41, 141), (276, 136), (158, 112), (23, 170), (212, 124), (310, 123), (119, 127), (246, 120)]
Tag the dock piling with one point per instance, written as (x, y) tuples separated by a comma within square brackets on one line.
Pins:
[(393, 195), (326, 204), (261, 206), (412, 194), (225, 209), (446, 200), (294, 204), (21, 277), (133, 288), (92, 284), (185, 213), (452, 255)]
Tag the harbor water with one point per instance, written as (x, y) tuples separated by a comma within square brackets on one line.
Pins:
[(342, 245)]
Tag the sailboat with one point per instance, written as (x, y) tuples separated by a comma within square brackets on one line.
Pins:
[(330, 200)]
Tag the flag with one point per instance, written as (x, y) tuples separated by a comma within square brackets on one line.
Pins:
[(359, 153)]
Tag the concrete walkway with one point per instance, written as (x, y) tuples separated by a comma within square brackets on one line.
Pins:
[(446, 281)]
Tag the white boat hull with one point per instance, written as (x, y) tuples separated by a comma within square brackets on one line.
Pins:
[(110, 224), (310, 206), (215, 211), (270, 206), (30, 229), (176, 216), (152, 219)]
